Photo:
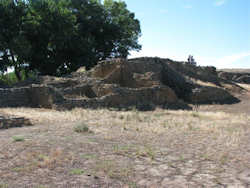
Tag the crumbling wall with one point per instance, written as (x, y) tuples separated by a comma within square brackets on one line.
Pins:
[(14, 97), (10, 122), (32, 96)]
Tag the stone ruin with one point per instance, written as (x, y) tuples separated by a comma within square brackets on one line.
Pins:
[(11, 121), (143, 83)]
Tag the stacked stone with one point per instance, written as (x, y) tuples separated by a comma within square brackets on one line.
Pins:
[(10, 122)]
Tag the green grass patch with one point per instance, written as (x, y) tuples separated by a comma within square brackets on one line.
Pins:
[(18, 138), (76, 171)]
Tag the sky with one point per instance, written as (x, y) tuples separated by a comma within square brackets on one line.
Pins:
[(215, 32)]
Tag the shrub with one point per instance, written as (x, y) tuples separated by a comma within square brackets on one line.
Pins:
[(81, 128), (18, 138)]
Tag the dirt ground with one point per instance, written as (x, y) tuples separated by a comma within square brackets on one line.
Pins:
[(209, 147)]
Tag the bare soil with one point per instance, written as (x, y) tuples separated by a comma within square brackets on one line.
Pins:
[(208, 147)]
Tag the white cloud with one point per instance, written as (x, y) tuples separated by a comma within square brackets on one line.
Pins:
[(231, 61), (219, 3)]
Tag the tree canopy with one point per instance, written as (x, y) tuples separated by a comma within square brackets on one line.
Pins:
[(56, 37)]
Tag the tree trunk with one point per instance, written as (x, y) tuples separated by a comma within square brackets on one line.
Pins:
[(26, 72), (17, 69), (18, 73)]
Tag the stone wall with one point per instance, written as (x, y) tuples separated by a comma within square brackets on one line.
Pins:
[(14, 97), (31, 96), (10, 122)]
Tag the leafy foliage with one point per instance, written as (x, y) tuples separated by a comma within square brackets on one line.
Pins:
[(10, 79), (57, 37)]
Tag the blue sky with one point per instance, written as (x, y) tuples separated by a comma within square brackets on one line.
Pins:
[(215, 32)]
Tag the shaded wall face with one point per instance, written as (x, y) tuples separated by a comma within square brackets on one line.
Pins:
[(34, 96), (14, 97)]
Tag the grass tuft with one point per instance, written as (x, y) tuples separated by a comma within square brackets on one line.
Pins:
[(76, 171), (82, 128), (18, 138)]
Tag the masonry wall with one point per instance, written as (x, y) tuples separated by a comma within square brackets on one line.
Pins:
[(10, 122), (14, 97)]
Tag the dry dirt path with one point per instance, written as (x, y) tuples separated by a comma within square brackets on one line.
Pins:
[(128, 149)]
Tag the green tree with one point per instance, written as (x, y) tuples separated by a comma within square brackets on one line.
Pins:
[(49, 27), (105, 30), (13, 46), (56, 37)]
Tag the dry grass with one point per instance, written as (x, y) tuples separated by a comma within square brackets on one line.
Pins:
[(245, 86), (202, 83), (117, 142), (227, 128)]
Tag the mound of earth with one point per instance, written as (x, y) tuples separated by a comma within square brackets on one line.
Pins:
[(120, 83)]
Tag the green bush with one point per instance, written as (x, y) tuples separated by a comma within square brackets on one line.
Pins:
[(18, 138)]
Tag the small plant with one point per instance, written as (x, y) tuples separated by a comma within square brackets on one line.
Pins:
[(18, 138), (41, 186), (76, 171), (89, 156), (82, 128)]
